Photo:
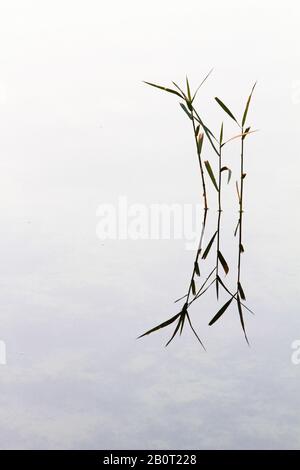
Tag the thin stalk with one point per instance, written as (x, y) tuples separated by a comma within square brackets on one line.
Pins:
[(197, 255), (241, 209), (200, 160), (219, 219)]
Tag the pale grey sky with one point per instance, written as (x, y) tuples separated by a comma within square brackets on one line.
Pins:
[(78, 128)]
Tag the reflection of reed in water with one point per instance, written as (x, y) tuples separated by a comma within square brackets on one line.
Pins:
[(214, 276)]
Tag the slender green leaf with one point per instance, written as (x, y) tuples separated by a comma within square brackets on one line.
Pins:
[(247, 105), (193, 330), (241, 291), (175, 331), (205, 78), (186, 110), (224, 107), (178, 88), (169, 90), (246, 132), (197, 130), (221, 134), (211, 174), (236, 228), (241, 317), (182, 322), (220, 312), (223, 262), (161, 325), (233, 295), (197, 270), (183, 297), (225, 168), (217, 287), (188, 89), (207, 249), (193, 287)]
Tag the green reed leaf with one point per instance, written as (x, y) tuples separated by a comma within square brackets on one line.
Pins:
[(197, 270), (221, 134), (247, 105), (220, 312), (186, 110), (223, 262), (193, 287), (207, 249), (211, 174), (181, 91), (169, 90), (246, 132), (224, 107), (236, 228), (205, 78), (241, 291), (194, 331), (161, 325), (188, 90), (241, 317), (175, 331), (225, 168)]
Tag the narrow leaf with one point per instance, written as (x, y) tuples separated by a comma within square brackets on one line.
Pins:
[(197, 130), (223, 262), (225, 168), (193, 287), (221, 134), (207, 249), (247, 105), (220, 312), (246, 132), (193, 330), (186, 110), (205, 78), (169, 90), (183, 297), (241, 317), (188, 90), (210, 172), (241, 291), (182, 92), (241, 248), (182, 322), (224, 107), (197, 270), (175, 331), (236, 228), (161, 325)]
